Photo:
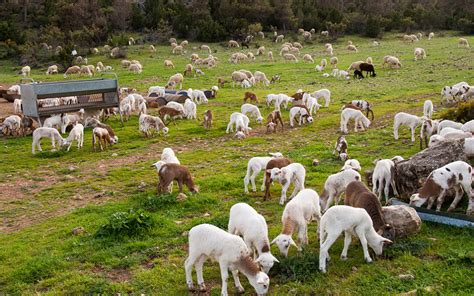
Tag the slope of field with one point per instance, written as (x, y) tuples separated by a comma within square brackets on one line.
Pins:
[(44, 196)]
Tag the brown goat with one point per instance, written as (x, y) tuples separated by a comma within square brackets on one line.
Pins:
[(298, 96), (174, 172), (221, 82), (208, 119), (250, 96), (273, 163), (359, 196), (171, 112), (351, 106), (272, 121)]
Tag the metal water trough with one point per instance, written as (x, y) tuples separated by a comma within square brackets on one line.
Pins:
[(93, 94)]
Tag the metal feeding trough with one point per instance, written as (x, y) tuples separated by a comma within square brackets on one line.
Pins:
[(93, 94)]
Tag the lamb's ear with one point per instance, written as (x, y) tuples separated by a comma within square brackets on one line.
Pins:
[(268, 171), (292, 242), (387, 242), (274, 240), (275, 259)]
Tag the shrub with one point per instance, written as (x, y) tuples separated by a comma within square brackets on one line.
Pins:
[(154, 203), (133, 222), (8, 49), (117, 40), (461, 113)]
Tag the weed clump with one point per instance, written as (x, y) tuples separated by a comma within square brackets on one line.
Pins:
[(131, 223)]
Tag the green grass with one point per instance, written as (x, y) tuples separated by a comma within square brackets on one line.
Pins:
[(55, 192)]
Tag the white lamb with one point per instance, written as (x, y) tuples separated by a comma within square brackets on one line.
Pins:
[(428, 109), (254, 167), (209, 242), (53, 121), (449, 123), (468, 126), (76, 134), (292, 173), (248, 223), (282, 99), (420, 53), (197, 96), (253, 110), (351, 221), (303, 113), (159, 90), (360, 120), (167, 156), (312, 104), (402, 118), (323, 93), (383, 177), (177, 106), (335, 185), (241, 122), (351, 164), (298, 213), (190, 109), (17, 106), (46, 132)]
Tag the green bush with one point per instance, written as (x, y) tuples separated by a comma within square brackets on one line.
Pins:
[(131, 223), (461, 113), (154, 203), (117, 40)]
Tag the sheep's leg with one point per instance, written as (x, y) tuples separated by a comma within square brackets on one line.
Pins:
[(396, 126), (302, 236), (283, 192), (180, 185), (252, 179), (457, 199), (224, 277), (238, 285), (363, 241), (188, 267), (263, 183), (298, 188), (432, 200), (394, 186), (324, 250), (229, 128), (412, 128), (200, 279), (387, 190), (347, 243)]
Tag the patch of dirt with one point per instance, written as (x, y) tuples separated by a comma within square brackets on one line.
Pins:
[(6, 108), (115, 275)]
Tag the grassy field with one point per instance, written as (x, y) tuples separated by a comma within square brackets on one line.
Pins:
[(45, 196)]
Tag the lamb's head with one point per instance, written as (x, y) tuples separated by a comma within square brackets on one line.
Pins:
[(271, 126), (276, 154), (167, 152), (377, 243), (275, 173), (283, 241), (259, 119), (352, 164), (165, 130), (266, 261), (260, 282), (365, 121), (397, 159), (417, 201), (387, 231), (239, 135), (215, 88), (158, 165), (309, 119)]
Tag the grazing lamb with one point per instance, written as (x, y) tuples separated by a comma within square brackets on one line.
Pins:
[(279, 38), (402, 118), (175, 80), (359, 196), (233, 43), (290, 57), (303, 112), (147, 123), (351, 47), (72, 70), (428, 109), (428, 128), (431, 36), (351, 221), (208, 119), (261, 77), (311, 103), (239, 77), (323, 93), (241, 122), (170, 172), (333, 61), (282, 99), (46, 132), (448, 123), (77, 134), (103, 136), (272, 121), (365, 106), (68, 119), (292, 173), (351, 164), (190, 109), (392, 61), (197, 96), (274, 163), (248, 223), (308, 58), (335, 185), (209, 242), (168, 112), (420, 53), (253, 110), (206, 48), (463, 42), (368, 68), (360, 120), (178, 49), (455, 175), (250, 96), (341, 148), (383, 177), (25, 71), (254, 167), (298, 213), (53, 69), (168, 64)]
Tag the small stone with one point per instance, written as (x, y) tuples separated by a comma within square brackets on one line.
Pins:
[(142, 185), (178, 222), (406, 277), (114, 154), (315, 162), (72, 168), (206, 214), (409, 293), (78, 230), (354, 269), (432, 239), (69, 177), (185, 233), (100, 194), (181, 197), (429, 289), (77, 197)]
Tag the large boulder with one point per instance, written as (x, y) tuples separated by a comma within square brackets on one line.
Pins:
[(405, 220)]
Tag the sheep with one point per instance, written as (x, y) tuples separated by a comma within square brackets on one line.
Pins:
[(241, 122), (172, 113), (325, 33), (86, 71), (428, 109), (260, 51), (292, 173), (270, 56), (177, 106), (69, 119), (351, 164), (303, 112), (178, 50), (468, 126), (455, 175), (365, 106), (351, 47), (248, 223), (77, 134), (135, 68), (383, 177), (238, 76), (184, 43), (360, 120), (253, 110), (147, 122), (463, 42), (17, 106), (448, 93), (341, 148), (254, 167), (261, 34), (206, 48), (208, 241), (279, 38), (175, 80), (126, 110), (298, 213), (468, 94), (53, 69), (290, 57), (190, 109), (208, 119), (261, 77), (429, 127), (335, 185), (368, 68), (355, 66), (250, 56), (369, 60), (323, 93), (312, 104), (246, 84), (272, 121), (449, 132), (308, 58), (431, 36), (351, 221), (168, 64), (307, 35), (11, 125), (359, 196), (329, 50), (46, 132), (402, 118), (333, 61), (142, 107), (233, 43), (173, 45), (159, 90), (103, 136), (53, 121), (125, 63), (170, 172), (279, 162), (72, 70), (152, 48), (279, 100), (392, 61), (448, 123), (343, 74), (318, 68), (419, 53)]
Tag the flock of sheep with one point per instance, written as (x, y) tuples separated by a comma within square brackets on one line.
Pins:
[(245, 247)]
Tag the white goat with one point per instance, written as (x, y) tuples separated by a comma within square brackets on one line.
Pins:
[(383, 177), (335, 185), (46, 132), (402, 118), (253, 110), (241, 122), (360, 120), (292, 173), (254, 167), (77, 134), (428, 109), (190, 109), (323, 93)]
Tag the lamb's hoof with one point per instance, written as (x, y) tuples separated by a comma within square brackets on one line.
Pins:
[(191, 287), (323, 270), (240, 290), (343, 258), (450, 209), (202, 287), (368, 260)]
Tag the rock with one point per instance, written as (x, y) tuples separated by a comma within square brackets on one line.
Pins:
[(181, 197), (78, 230), (354, 269), (114, 154), (409, 293), (100, 194), (77, 197), (406, 277), (315, 162), (72, 168), (404, 219), (206, 214), (69, 177), (178, 222), (142, 185), (185, 233)]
